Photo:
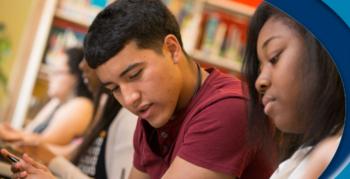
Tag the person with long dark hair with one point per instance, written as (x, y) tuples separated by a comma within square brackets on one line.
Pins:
[(106, 150), (69, 111), (293, 84)]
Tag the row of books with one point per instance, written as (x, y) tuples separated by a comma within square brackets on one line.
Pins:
[(223, 35), (213, 32), (80, 11)]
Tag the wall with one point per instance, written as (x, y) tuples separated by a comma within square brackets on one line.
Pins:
[(16, 16)]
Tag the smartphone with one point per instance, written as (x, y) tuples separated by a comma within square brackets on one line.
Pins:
[(9, 156), (12, 159)]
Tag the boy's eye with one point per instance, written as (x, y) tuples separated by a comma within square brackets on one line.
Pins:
[(115, 89), (110, 91), (136, 74)]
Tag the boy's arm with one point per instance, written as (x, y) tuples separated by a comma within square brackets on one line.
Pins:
[(137, 174), (181, 168)]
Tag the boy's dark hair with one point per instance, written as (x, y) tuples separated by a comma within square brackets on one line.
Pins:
[(146, 22), (321, 103)]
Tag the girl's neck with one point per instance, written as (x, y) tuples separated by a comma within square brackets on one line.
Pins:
[(66, 98)]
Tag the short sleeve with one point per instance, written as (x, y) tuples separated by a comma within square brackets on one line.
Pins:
[(137, 147), (216, 137)]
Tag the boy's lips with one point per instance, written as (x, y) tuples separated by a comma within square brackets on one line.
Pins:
[(144, 111)]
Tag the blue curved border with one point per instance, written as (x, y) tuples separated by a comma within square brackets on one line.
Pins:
[(340, 7), (334, 34)]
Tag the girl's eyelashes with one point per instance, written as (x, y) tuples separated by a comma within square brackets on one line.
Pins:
[(272, 60), (275, 58)]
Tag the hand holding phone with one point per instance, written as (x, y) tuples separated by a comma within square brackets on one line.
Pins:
[(21, 166), (9, 156)]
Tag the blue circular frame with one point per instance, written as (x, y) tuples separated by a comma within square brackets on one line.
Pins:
[(329, 21)]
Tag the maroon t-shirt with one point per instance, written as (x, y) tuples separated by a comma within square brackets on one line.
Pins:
[(210, 133)]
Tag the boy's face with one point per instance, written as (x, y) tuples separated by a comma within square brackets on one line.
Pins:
[(145, 82)]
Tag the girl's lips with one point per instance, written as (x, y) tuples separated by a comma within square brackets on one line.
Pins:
[(267, 102), (267, 107), (266, 99)]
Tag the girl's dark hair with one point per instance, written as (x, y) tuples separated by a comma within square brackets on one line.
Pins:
[(110, 110), (322, 102), (75, 55)]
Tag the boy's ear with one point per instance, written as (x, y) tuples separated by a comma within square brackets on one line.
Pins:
[(172, 45)]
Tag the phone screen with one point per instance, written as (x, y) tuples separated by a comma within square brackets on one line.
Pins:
[(8, 158)]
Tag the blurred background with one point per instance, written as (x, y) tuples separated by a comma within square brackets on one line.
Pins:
[(213, 32)]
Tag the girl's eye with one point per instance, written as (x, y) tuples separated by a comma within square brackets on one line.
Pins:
[(275, 58), (260, 68), (135, 75)]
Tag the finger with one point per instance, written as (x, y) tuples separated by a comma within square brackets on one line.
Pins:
[(24, 166), (20, 166), (9, 156), (4, 152), (15, 169), (23, 174), (32, 162)]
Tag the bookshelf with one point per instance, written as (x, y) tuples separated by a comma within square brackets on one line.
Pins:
[(70, 23), (65, 16), (232, 7), (214, 31), (217, 61), (79, 14)]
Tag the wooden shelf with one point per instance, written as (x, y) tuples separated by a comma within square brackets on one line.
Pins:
[(62, 15), (76, 13), (43, 72), (229, 64), (230, 7)]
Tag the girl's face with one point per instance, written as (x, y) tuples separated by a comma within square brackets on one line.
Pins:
[(280, 51), (89, 76), (61, 81)]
